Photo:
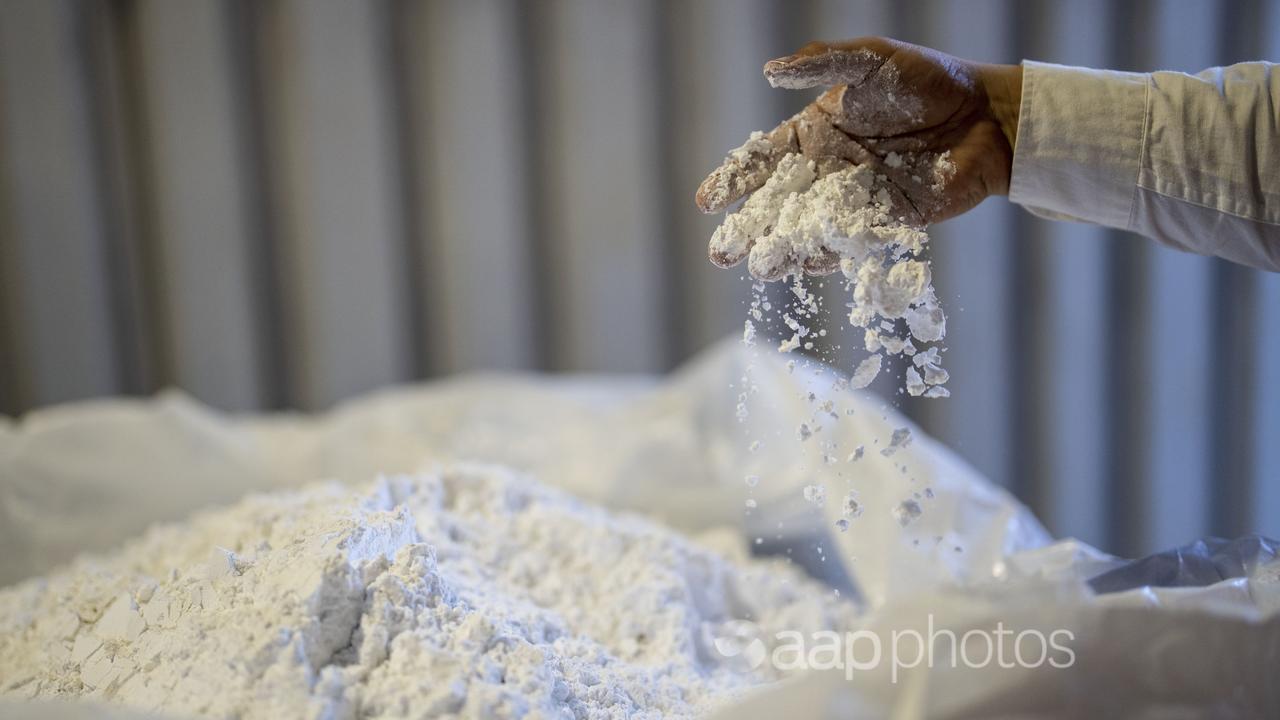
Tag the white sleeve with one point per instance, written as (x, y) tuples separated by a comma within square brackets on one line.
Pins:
[(1192, 161)]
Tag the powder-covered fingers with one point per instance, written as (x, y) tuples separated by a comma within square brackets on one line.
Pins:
[(743, 229), (776, 230), (820, 64), (746, 168), (883, 105), (825, 262), (749, 231)]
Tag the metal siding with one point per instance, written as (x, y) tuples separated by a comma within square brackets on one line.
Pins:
[(342, 245), (1179, 354), (56, 254), (468, 123), (602, 191), (198, 182)]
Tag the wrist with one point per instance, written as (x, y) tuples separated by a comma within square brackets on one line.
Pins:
[(1002, 85)]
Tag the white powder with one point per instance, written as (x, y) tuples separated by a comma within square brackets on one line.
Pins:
[(865, 373), (811, 219), (915, 383), (900, 439), (907, 512), (815, 494), (804, 432), (472, 592), (852, 508)]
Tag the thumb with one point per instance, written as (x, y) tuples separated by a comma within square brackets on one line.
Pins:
[(820, 64)]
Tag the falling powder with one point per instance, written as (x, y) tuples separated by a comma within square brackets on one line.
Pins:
[(852, 508), (865, 373), (815, 494), (901, 438), (906, 512), (823, 215)]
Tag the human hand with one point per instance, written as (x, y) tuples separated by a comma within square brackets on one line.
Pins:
[(887, 97)]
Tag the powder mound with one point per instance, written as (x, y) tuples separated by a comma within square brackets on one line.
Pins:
[(473, 591)]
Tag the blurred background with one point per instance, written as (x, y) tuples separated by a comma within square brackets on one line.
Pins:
[(281, 203)]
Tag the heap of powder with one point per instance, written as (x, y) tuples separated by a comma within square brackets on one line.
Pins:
[(472, 592), (801, 219)]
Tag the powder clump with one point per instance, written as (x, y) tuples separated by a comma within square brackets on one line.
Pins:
[(826, 215)]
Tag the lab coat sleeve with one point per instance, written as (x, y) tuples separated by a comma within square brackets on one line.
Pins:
[(1191, 161)]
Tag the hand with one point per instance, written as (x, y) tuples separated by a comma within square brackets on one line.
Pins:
[(887, 97)]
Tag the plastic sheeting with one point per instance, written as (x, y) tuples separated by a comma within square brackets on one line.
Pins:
[(1192, 634)]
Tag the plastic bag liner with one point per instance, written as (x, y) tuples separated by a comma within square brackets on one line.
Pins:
[(1146, 641), (1201, 563)]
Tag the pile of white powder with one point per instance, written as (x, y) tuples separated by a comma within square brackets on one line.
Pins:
[(802, 219), (472, 591)]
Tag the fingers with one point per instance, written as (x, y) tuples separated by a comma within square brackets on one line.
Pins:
[(878, 107), (746, 169), (748, 230), (824, 263), (820, 64), (766, 236)]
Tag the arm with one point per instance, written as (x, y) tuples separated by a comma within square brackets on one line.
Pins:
[(1192, 162)]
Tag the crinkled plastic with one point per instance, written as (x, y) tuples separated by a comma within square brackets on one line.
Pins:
[(1193, 634), (1204, 562)]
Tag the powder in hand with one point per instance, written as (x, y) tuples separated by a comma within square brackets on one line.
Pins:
[(804, 220)]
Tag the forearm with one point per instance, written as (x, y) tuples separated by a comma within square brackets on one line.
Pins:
[(1190, 161)]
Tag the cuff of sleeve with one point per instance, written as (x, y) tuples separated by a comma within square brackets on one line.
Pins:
[(1080, 142)]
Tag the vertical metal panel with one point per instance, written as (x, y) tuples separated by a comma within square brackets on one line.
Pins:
[(341, 236), (1264, 515), (1065, 377), (601, 189), (1233, 391), (1179, 354), (199, 208), (847, 19), (120, 142), (249, 79), (468, 120), (971, 265), (55, 254), (12, 384), (718, 96), (1243, 34), (1128, 298)]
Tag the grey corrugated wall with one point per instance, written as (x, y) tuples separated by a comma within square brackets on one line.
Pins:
[(282, 203)]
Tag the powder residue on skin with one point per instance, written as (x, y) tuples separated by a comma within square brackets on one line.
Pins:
[(470, 592)]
